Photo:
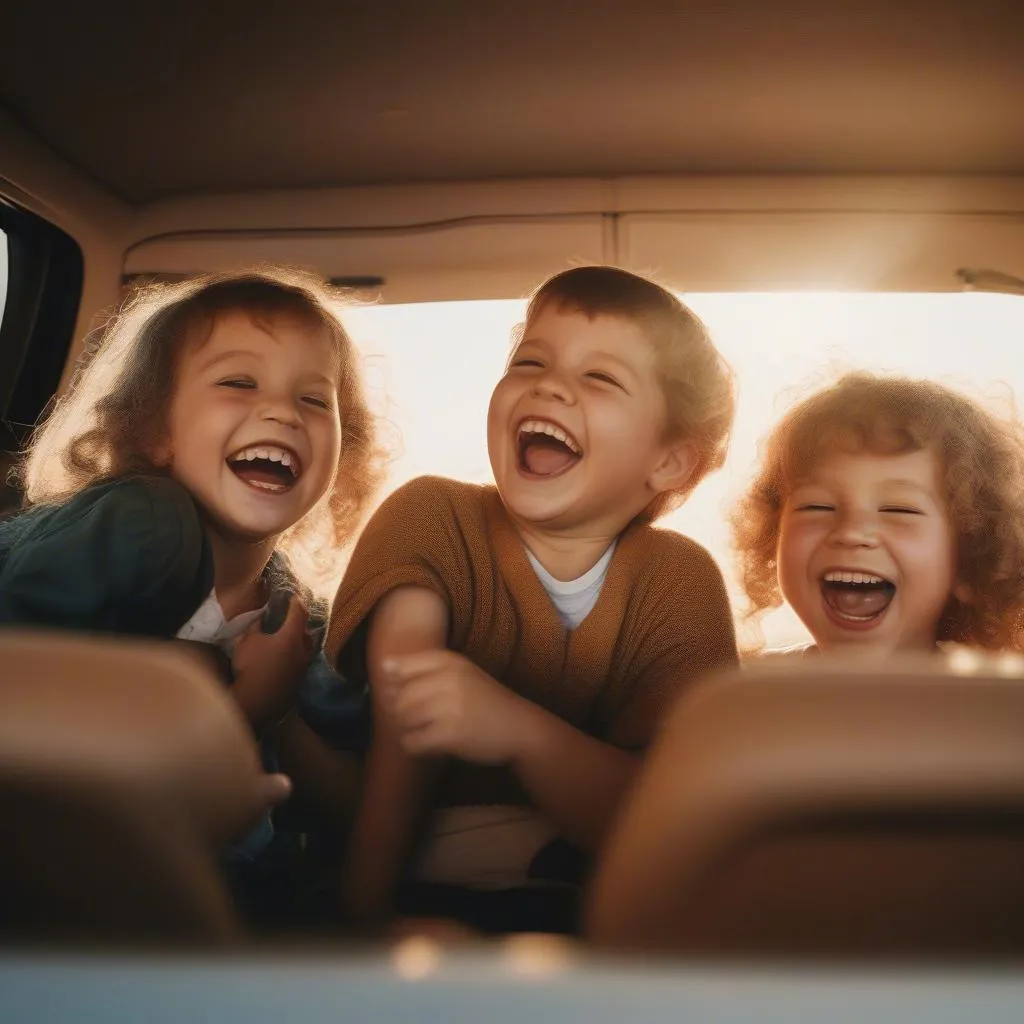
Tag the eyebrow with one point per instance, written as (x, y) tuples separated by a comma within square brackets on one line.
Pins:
[(235, 353), (896, 481), (600, 354), (913, 485), (222, 357)]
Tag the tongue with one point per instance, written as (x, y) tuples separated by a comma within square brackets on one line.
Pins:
[(545, 459), (251, 474), (862, 602)]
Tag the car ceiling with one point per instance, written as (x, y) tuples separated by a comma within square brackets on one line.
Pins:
[(152, 100)]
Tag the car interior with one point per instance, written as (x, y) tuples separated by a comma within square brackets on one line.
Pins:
[(825, 184)]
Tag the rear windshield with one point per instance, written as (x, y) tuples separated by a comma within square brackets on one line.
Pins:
[(437, 364)]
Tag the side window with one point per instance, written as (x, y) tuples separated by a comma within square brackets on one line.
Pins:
[(40, 289)]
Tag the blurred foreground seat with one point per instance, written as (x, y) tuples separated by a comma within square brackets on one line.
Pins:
[(802, 809), (124, 767)]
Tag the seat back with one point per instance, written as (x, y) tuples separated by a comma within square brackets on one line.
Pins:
[(123, 768), (808, 809)]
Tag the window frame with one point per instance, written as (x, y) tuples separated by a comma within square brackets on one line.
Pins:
[(45, 275)]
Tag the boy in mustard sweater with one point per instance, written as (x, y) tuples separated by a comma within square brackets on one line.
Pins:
[(522, 640)]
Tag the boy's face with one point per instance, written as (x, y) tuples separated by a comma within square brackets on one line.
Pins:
[(574, 429), (867, 552), (254, 431)]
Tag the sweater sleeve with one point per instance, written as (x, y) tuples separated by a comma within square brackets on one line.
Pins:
[(413, 539), (124, 557), (686, 632)]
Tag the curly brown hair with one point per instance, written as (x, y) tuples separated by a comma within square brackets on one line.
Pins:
[(981, 456), (698, 384), (114, 415)]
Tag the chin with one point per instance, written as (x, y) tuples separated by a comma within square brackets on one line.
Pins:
[(252, 530), (539, 512)]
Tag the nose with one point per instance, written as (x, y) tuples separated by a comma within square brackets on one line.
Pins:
[(553, 386), (855, 528), (280, 408)]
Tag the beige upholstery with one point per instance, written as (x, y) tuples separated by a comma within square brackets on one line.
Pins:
[(123, 768), (802, 808)]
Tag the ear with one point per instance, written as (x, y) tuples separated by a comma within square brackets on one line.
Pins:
[(162, 455), (963, 592), (677, 465)]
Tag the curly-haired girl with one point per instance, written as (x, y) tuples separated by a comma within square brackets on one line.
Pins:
[(889, 513), (218, 423)]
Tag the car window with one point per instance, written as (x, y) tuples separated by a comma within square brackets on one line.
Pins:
[(431, 367), (3, 275), (40, 288)]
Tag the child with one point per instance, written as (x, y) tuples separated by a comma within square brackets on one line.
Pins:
[(208, 433), (889, 513), (522, 640)]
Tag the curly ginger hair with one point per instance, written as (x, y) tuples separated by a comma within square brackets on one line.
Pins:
[(981, 460)]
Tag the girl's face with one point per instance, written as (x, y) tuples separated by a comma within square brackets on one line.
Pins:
[(254, 431), (575, 427), (867, 552)]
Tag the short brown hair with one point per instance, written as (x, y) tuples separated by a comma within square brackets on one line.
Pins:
[(697, 382), (115, 413), (981, 458)]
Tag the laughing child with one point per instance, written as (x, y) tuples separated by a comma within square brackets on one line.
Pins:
[(522, 640), (889, 513)]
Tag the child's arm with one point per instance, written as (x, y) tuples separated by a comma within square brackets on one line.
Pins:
[(445, 704), (326, 781), (396, 787), (269, 669)]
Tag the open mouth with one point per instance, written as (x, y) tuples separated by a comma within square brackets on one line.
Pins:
[(857, 598), (546, 449), (266, 467)]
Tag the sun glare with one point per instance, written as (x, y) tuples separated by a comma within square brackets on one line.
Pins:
[(431, 368)]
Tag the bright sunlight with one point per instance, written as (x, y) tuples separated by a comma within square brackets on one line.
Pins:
[(431, 368)]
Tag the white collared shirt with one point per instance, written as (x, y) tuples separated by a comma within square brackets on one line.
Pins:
[(209, 626)]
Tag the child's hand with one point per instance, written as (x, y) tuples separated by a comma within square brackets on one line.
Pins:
[(445, 705), (269, 667)]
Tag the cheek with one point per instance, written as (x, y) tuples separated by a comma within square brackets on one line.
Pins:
[(632, 427), (792, 552), (329, 443), (498, 410), (505, 394)]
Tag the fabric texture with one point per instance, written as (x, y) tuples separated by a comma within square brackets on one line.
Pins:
[(574, 599), (130, 557), (127, 557), (662, 618)]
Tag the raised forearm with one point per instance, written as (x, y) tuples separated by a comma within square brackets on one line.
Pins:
[(577, 781), (396, 791)]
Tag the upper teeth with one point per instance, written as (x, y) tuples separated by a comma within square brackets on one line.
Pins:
[(543, 427), (853, 577), (269, 452)]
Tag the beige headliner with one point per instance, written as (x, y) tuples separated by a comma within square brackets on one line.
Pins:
[(157, 100)]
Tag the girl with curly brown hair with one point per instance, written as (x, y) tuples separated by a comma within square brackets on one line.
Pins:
[(218, 425), (889, 513)]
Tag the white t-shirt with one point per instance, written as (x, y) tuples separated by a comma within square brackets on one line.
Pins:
[(209, 626), (574, 599)]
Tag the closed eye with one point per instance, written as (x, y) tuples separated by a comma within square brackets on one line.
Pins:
[(904, 510), (320, 403), (815, 507), (237, 382), (605, 379), (527, 362)]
